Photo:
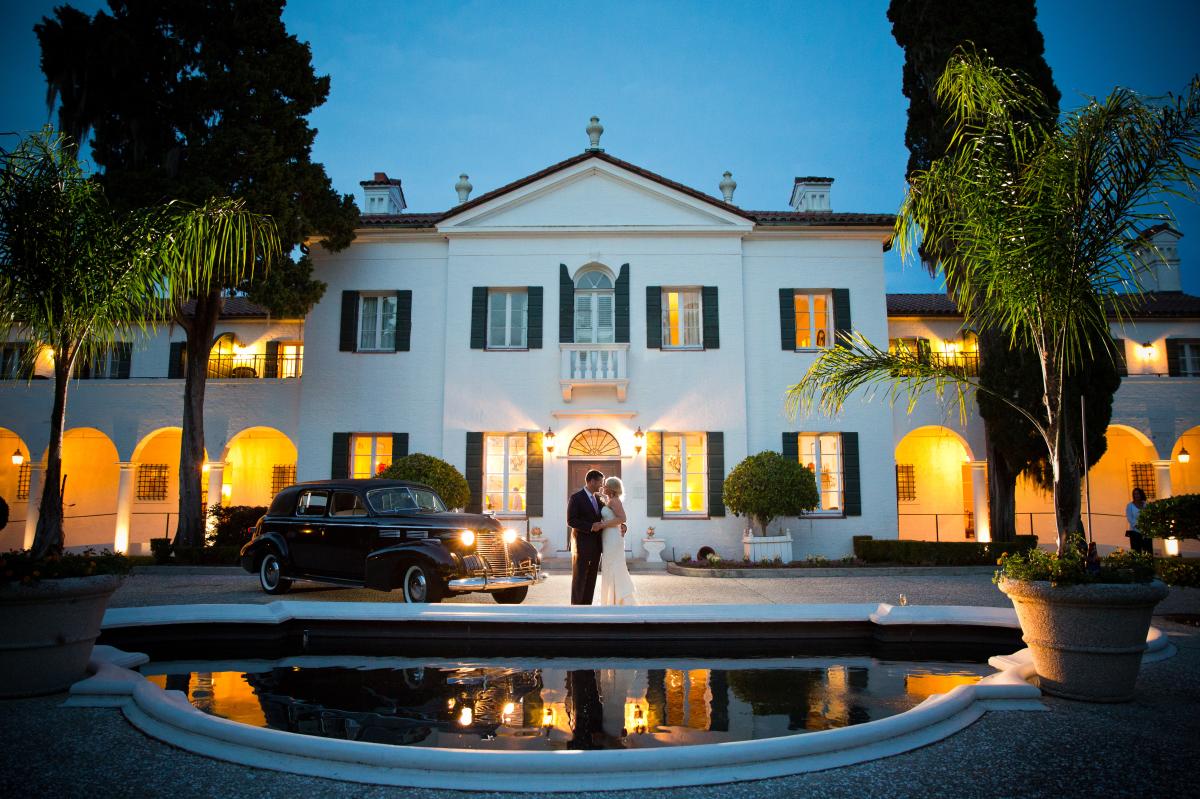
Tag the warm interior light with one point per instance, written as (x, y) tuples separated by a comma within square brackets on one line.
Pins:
[(549, 439), (18, 458), (509, 535), (1184, 456), (467, 537), (226, 490)]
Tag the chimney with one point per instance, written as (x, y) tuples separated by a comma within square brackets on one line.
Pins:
[(811, 194), (463, 187), (383, 195), (1158, 252), (727, 185)]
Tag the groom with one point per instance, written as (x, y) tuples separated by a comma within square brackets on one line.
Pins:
[(583, 514)]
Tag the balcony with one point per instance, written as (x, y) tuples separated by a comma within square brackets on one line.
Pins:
[(250, 367), (592, 365)]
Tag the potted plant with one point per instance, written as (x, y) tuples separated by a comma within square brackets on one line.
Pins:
[(653, 546), (535, 538), (765, 487)]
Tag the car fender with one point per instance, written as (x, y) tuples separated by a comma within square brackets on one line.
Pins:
[(381, 564), (252, 551)]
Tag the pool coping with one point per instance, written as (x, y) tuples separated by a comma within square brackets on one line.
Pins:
[(169, 717)]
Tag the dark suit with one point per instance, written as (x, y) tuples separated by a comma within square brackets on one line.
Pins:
[(585, 555)]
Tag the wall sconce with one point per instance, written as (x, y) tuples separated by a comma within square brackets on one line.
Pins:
[(638, 437), (1184, 456), (1146, 351), (549, 439), (17, 457)]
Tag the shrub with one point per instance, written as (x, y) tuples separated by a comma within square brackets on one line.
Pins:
[(1071, 568), (161, 549), (442, 477), (21, 567), (1178, 571), (230, 524), (937, 553), (1173, 517), (767, 485)]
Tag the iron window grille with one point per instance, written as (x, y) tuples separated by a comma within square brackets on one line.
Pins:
[(152, 482), (23, 473), (1141, 475), (282, 476), (906, 482)]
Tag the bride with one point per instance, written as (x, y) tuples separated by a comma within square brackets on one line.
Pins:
[(616, 586)]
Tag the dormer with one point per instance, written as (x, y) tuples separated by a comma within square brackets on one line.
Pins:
[(812, 194), (383, 195), (1158, 250)]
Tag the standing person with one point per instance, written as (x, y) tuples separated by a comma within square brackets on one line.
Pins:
[(1137, 541), (583, 517), (616, 586)]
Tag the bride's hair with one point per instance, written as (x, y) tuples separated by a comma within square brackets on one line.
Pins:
[(615, 485)]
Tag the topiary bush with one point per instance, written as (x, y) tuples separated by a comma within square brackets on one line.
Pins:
[(767, 486), (1173, 517), (442, 477)]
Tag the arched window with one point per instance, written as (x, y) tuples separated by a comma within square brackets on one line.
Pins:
[(594, 301), (595, 443), (220, 357)]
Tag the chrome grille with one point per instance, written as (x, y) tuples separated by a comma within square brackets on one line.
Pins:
[(491, 547)]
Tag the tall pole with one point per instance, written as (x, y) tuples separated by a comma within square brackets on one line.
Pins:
[(1087, 482)]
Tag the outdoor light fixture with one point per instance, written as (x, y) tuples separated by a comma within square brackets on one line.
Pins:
[(637, 440), (1146, 350), (18, 458), (1184, 456), (549, 439)]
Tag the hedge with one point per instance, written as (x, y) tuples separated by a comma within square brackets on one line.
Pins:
[(1172, 517), (938, 553)]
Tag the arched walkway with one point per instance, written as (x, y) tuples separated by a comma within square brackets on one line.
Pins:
[(1127, 462), (933, 485), (90, 475), (154, 487), (1185, 475), (258, 462), (14, 487)]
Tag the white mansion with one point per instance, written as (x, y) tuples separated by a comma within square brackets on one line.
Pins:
[(591, 314)]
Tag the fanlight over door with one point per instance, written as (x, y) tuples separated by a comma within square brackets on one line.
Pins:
[(594, 443)]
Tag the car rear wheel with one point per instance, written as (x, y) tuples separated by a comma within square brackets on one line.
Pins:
[(270, 575), (420, 584), (511, 596)]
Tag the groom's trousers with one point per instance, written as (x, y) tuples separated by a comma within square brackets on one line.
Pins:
[(585, 565)]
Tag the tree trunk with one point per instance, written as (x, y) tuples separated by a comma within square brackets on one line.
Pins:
[(48, 538), (200, 329), (1002, 494), (1063, 465)]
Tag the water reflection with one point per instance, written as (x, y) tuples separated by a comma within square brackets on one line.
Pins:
[(559, 704)]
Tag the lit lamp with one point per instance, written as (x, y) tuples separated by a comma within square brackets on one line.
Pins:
[(637, 440), (18, 458), (549, 439), (1146, 350), (1184, 456)]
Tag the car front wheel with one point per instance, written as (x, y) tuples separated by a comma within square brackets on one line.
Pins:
[(511, 596), (420, 584), (270, 575)]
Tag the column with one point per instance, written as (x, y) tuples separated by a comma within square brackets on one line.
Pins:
[(125, 484), (1162, 481), (33, 507), (216, 476), (979, 494)]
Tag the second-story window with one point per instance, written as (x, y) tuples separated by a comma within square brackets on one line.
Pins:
[(1189, 358), (682, 321), (377, 322), (594, 302), (508, 319), (10, 360), (814, 319)]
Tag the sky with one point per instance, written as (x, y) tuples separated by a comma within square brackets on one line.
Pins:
[(499, 89)]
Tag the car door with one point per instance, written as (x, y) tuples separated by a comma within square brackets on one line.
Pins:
[(349, 535), (306, 532)]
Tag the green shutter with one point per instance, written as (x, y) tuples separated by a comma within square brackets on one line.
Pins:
[(348, 338), (175, 365), (654, 320), (791, 446), (716, 474), (712, 317), (403, 320), (399, 446), (852, 482), (787, 319), (534, 483), (622, 310), (339, 465), (1119, 357), (654, 474), (479, 300), (1173, 365), (271, 361), (474, 472), (566, 306), (124, 359), (533, 335), (841, 315)]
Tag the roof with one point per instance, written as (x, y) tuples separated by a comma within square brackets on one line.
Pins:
[(380, 179), (233, 308), (825, 218), (814, 179), (1154, 304)]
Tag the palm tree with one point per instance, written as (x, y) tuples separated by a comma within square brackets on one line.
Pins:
[(74, 274), (1034, 223)]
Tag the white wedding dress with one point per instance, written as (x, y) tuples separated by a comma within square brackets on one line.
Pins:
[(616, 586)]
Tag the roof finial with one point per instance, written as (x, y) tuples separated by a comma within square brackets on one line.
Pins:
[(463, 187), (594, 130), (728, 184)]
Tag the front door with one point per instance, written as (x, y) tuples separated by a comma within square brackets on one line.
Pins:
[(578, 469)]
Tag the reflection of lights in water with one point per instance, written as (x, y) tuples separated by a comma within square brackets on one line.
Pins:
[(509, 707), (465, 717), (450, 703), (547, 721)]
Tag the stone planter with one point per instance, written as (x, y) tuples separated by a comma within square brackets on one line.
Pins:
[(1086, 640), (768, 547), (654, 548), (47, 631)]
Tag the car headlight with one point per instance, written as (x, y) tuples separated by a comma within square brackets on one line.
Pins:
[(510, 535), (467, 537)]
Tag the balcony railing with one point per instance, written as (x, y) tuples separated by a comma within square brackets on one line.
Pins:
[(966, 363), (588, 365), (248, 367)]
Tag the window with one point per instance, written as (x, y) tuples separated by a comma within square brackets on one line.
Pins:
[(821, 453), (346, 503), (370, 454), (152, 482), (23, 473), (681, 319), (10, 360), (377, 323), (594, 302), (504, 462), (814, 319), (291, 359), (906, 482), (508, 317), (685, 474), (312, 503), (1141, 475), (1189, 361), (112, 364), (282, 476)]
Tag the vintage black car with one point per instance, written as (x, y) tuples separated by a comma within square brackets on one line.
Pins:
[(387, 534)]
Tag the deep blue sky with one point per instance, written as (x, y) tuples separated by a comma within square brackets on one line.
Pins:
[(767, 90)]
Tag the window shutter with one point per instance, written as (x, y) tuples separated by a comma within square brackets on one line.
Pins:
[(841, 315), (175, 365), (124, 356), (474, 473), (787, 319), (583, 319), (533, 475), (622, 310), (712, 326), (271, 362), (716, 474), (399, 445), (566, 306), (791, 446), (1173, 365), (339, 466), (1119, 357), (534, 318), (654, 474), (348, 338), (604, 318), (479, 300), (403, 320), (850, 474), (654, 326)]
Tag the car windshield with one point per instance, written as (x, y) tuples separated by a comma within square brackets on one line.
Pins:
[(401, 499)]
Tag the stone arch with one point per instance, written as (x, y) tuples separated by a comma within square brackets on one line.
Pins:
[(253, 459), (90, 477), (1141, 437), (594, 266), (933, 482), (594, 442), (155, 499), (13, 478), (1185, 476)]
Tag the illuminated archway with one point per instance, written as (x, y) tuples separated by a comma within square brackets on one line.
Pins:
[(90, 475), (14, 487), (258, 462), (1128, 462), (1185, 463), (933, 485), (155, 499)]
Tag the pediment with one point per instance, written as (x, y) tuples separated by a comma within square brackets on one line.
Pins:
[(594, 195)]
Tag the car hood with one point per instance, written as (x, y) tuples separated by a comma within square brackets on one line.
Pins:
[(449, 521)]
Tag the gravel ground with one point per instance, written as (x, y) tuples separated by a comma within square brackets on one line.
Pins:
[(1144, 748)]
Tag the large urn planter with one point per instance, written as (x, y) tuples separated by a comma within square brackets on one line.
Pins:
[(47, 631), (1086, 640), (768, 547)]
